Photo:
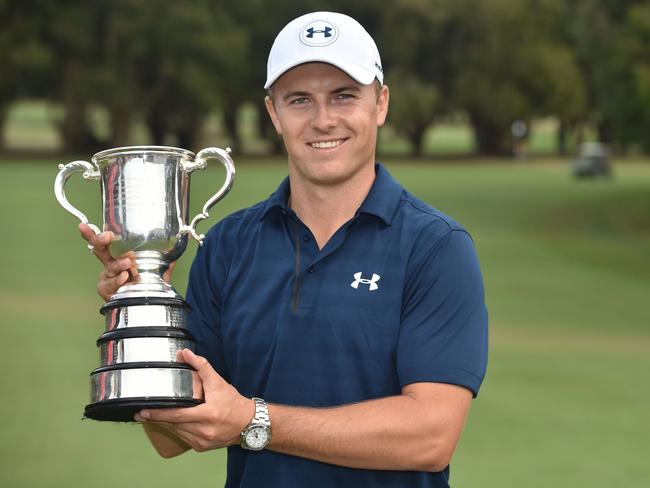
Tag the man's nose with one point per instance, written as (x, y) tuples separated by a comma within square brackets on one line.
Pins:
[(324, 118)]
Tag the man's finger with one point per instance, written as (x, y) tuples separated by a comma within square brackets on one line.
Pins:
[(118, 266), (188, 433), (172, 415), (108, 285), (86, 231), (133, 270), (189, 438), (206, 372), (167, 275), (99, 242)]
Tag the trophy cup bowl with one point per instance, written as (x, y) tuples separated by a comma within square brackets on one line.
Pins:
[(145, 204)]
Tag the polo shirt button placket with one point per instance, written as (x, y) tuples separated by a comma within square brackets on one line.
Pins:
[(310, 270)]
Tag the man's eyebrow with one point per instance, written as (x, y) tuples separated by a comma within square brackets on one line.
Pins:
[(295, 94), (354, 88), (345, 88)]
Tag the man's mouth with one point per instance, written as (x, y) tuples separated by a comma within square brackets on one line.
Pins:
[(326, 144)]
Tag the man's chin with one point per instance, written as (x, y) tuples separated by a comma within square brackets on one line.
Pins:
[(333, 177)]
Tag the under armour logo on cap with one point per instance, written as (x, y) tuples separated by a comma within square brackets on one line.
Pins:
[(372, 283), (319, 33), (327, 32)]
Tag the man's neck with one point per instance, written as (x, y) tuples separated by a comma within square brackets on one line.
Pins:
[(324, 209)]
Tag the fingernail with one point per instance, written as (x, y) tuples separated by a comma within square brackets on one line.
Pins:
[(145, 414)]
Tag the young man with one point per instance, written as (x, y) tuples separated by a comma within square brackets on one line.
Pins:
[(353, 309)]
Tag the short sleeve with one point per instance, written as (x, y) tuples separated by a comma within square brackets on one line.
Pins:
[(204, 297), (444, 330)]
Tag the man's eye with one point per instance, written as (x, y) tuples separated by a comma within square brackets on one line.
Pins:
[(344, 96), (299, 101)]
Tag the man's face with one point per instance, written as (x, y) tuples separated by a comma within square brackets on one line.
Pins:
[(328, 122)]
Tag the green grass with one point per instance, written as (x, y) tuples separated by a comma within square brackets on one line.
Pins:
[(566, 267)]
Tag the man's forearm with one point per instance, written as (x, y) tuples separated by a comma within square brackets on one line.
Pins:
[(416, 431), (405, 432)]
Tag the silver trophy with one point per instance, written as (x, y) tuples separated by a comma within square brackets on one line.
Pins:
[(145, 201)]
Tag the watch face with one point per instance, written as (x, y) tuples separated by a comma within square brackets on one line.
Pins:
[(257, 437)]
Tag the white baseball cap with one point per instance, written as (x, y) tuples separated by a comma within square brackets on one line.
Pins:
[(326, 37)]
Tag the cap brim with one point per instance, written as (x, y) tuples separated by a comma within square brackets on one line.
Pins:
[(363, 76)]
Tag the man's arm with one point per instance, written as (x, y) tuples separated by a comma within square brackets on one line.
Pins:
[(163, 439), (417, 430)]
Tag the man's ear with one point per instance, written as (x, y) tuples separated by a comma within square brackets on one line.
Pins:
[(270, 108), (382, 105)]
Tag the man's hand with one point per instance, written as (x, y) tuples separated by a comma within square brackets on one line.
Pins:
[(216, 423), (117, 271)]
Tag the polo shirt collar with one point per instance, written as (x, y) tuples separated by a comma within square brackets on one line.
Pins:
[(278, 199), (384, 196), (382, 200)]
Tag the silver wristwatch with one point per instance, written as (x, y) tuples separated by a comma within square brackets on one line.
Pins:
[(257, 434)]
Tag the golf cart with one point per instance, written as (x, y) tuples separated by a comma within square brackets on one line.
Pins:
[(593, 160)]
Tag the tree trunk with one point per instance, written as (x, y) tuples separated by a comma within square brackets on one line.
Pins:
[(416, 137), (605, 132), (230, 123), (561, 138), (120, 126), (190, 132), (4, 108), (74, 128), (267, 130), (156, 124), (491, 140)]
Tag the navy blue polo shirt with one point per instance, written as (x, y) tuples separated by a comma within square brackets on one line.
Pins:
[(395, 297)]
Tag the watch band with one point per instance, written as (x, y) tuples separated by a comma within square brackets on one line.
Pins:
[(261, 413)]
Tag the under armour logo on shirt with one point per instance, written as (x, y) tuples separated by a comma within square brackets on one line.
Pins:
[(372, 283)]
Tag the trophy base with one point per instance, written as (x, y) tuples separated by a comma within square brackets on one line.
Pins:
[(139, 364), (124, 410)]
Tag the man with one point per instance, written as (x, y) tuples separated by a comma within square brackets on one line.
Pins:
[(352, 308)]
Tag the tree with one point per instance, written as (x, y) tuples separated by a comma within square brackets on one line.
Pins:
[(68, 32), (510, 65), (196, 72), (611, 42), (157, 60), (414, 104), (25, 59), (637, 37)]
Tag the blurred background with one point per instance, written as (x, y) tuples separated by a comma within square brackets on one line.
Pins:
[(526, 120)]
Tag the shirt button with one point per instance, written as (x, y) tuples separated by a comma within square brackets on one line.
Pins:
[(305, 238), (310, 270)]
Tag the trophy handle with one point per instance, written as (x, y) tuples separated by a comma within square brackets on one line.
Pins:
[(65, 171), (201, 162)]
